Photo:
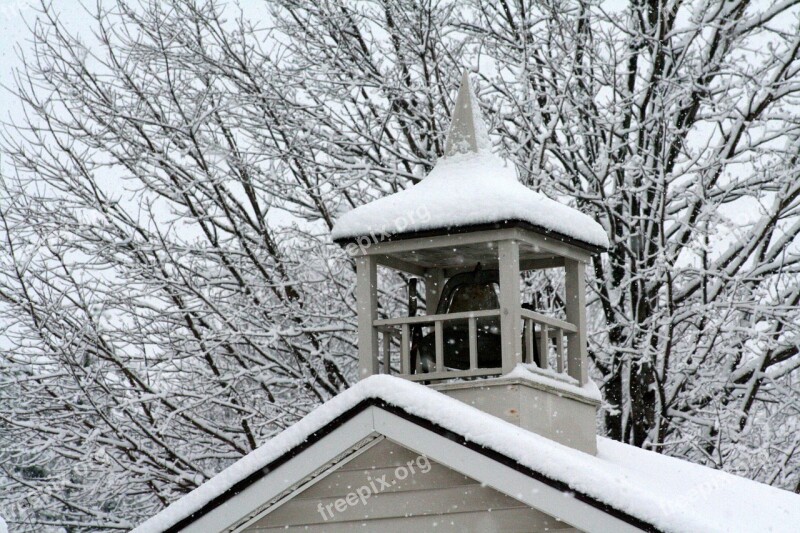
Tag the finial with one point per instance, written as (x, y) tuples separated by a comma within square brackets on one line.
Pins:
[(468, 132)]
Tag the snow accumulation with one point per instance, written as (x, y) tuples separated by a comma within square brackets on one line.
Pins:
[(465, 189), (555, 380), (671, 494), (469, 185)]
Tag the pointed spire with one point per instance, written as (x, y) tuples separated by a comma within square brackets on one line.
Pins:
[(468, 132)]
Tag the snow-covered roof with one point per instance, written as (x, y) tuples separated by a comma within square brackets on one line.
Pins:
[(668, 493), (468, 186)]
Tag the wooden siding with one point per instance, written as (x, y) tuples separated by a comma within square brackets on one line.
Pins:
[(434, 496)]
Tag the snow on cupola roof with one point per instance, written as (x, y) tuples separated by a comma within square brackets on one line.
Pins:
[(468, 189)]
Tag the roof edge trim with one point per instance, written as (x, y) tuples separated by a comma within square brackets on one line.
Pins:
[(472, 228)]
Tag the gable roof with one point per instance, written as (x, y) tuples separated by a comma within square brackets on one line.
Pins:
[(642, 488), (469, 186)]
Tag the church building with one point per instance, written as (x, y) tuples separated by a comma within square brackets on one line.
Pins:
[(477, 414)]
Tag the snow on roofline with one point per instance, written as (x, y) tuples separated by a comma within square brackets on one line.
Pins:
[(670, 494), (472, 228), (556, 380)]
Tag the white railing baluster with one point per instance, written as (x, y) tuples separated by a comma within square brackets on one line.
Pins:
[(560, 350), (544, 338), (473, 343), (387, 356), (549, 329), (405, 357), (529, 335), (439, 342)]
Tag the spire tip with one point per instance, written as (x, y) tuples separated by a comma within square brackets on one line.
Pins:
[(468, 132)]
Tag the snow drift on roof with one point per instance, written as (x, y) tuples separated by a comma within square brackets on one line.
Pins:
[(671, 494)]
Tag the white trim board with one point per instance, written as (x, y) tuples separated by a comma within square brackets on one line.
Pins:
[(284, 477)]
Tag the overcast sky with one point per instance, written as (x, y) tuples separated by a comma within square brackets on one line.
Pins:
[(11, 31), (15, 16), (14, 34)]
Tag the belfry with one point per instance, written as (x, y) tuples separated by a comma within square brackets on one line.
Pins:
[(468, 230)]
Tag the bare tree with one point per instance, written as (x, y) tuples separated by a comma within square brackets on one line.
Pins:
[(169, 293), (675, 123), (169, 289)]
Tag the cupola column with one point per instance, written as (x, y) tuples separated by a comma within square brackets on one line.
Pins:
[(510, 301), (575, 292), (367, 304)]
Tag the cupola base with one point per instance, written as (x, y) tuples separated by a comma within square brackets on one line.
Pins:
[(536, 401)]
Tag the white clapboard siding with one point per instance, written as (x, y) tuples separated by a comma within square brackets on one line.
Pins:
[(341, 482), (393, 504), (440, 498), (385, 454), (505, 521)]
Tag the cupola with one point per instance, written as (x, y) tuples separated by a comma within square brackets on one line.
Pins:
[(468, 230)]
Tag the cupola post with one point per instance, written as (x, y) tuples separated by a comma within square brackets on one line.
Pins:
[(575, 310), (367, 309), (510, 304)]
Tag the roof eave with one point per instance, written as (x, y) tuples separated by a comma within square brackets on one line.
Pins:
[(471, 228)]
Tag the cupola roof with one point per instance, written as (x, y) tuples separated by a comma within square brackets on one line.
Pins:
[(469, 189)]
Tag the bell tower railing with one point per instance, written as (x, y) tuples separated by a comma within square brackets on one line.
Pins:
[(543, 337), (399, 329)]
